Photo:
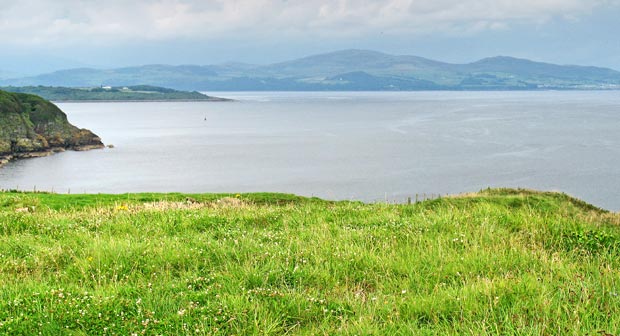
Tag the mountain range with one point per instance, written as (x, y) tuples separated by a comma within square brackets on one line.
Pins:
[(346, 70)]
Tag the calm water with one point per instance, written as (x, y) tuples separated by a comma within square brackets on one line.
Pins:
[(365, 146)]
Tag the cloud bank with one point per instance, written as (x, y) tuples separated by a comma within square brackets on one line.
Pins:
[(68, 22)]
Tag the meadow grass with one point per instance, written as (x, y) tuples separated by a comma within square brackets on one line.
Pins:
[(496, 262)]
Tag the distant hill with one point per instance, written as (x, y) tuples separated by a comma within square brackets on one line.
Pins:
[(356, 70), (126, 93)]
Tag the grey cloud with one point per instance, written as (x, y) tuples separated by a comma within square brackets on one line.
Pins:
[(79, 21)]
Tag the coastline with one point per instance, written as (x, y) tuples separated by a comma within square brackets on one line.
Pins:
[(6, 158), (215, 100)]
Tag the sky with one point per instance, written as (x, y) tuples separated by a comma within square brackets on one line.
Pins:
[(45, 35)]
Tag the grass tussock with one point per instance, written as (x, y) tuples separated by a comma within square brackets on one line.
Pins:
[(496, 262)]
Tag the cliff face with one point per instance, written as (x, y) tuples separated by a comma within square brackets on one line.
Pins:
[(32, 126)]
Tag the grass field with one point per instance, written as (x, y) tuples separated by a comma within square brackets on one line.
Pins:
[(497, 262)]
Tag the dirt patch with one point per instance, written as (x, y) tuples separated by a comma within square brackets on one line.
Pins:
[(167, 205), (230, 202)]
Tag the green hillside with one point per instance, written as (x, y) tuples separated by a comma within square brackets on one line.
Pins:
[(499, 262), (32, 126)]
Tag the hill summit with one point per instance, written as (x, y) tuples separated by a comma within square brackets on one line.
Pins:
[(345, 70)]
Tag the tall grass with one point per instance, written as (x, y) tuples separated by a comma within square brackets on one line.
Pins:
[(498, 262)]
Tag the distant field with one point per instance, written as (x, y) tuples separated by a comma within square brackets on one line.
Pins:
[(495, 262), (130, 93)]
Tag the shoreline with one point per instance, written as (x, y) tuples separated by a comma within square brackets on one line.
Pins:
[(211, 100), (6, 158)]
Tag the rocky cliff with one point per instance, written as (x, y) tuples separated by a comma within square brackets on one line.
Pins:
[(31, 126)]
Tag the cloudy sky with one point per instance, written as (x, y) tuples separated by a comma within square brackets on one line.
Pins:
[(42, 35)]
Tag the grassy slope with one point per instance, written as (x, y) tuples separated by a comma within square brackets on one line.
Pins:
[(29, 123), (498, 262)]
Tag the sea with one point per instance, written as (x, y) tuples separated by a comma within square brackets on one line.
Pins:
[(365, 146)]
